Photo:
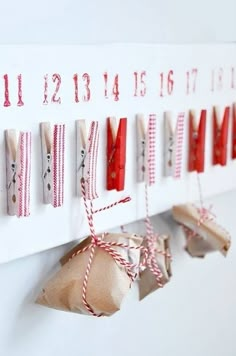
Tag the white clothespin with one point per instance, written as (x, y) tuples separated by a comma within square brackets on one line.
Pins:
[(173, 144), (146, 141), (53, 152), (86, 157), (18, 171)]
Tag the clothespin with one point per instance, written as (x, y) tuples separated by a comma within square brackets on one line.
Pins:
[(196, 149), (146, 140), (116, 153), (203, 233), (87, 150), (220, 136), (53, 153), (234, 132), (18, 171), (173, 144)]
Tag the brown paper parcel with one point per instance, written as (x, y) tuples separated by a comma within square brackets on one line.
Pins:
[(209, 235), (108, 282), (147, 282)]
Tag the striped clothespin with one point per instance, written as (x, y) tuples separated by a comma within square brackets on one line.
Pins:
[(87, 151), (18, 172), (53, 157), (146, 149), (173, 144)]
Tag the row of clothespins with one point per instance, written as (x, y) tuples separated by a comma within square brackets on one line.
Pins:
[(18, 154)]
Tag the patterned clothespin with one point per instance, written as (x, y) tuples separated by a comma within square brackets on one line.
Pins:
[(116, 153), (87, 151), (53, 153), (173, 144), (18, 172), (196, 149), (146, 142), (220, 136)]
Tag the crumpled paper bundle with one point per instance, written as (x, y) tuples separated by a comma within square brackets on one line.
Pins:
[(202, 235), (108, 282), (147, 282)]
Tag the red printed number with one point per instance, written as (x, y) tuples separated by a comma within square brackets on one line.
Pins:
[(20, 101), (232, 78), (191, 81), (86, 82), (139, 83), (7, 102), (166, 83), (56, 78), (217, 76), (6, 91), (115, 88)]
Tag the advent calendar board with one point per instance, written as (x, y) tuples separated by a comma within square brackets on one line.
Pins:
[(61, 84)]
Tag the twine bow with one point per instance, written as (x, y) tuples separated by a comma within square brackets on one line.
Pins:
[(204, 215), (98, 242)]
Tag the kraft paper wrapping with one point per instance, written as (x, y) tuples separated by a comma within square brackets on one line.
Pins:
[(108, 282), (209, 235), (147, 282)]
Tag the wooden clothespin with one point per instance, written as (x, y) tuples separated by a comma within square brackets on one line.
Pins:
[(18, 171), (234, 132), (220, 136), (53, 153), (203, 233), (146, 141), (87, 150), (173, 144), (116, 153), (196, 149)]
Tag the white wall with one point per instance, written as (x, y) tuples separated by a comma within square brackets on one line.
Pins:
[(195, 314)]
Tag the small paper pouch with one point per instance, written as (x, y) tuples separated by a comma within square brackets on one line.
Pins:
[(203, 234), (95, 278), (148, 281)]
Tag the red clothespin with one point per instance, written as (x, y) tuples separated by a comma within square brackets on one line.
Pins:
[(220, 136), (116, 154), (234, 132), (197, 135)]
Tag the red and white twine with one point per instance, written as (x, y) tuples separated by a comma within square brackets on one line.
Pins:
[(179, 145), (151, 154), (204, 214), (58, 164), (152, 239), (91, 162), (24, 174), (98, 242)]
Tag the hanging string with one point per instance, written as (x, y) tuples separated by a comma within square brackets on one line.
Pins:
[(204, 213), (152, 239), (200, 191), (98, 242)]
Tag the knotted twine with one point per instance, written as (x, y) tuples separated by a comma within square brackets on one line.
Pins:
[(204, 213), (98, 242), (204, 216)]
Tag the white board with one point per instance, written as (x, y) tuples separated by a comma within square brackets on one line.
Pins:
[(48, 227)]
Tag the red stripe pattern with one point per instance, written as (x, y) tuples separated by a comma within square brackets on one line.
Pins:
[(151, 158), (179, 136), (91, 165), (58, 164), (24, 174)]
